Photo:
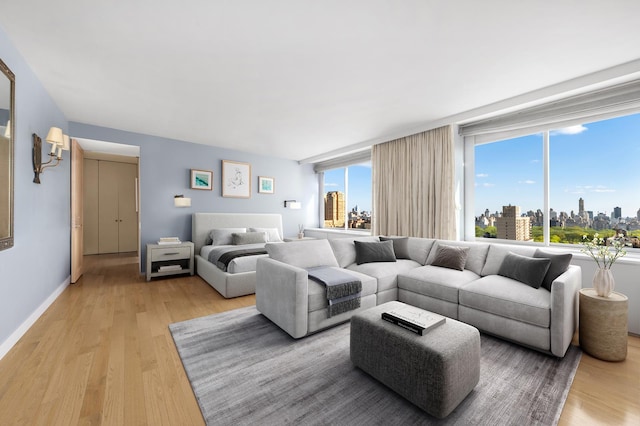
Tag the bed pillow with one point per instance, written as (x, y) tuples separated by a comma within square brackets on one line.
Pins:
[(273, 235), (559, 264), (222, 236), (400, 246), (527, 270), (452, 257), (374, 252), (241, 238)]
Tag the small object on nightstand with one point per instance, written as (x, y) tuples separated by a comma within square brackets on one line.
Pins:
[(166, 258), (169, 240)]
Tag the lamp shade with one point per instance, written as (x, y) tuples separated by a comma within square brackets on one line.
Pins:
[(182, 202), (7, 130), (55, 136), (65, 142)]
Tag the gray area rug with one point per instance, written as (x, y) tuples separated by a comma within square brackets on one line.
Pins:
[(244, 370)]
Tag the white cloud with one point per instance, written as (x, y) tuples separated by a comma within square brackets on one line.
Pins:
[(482, 175), (528, 181), (534, 161), (488, 185), (330, 184), (571, 130)]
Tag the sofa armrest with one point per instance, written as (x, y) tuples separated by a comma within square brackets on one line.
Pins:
[(282, 295), (564, 312)]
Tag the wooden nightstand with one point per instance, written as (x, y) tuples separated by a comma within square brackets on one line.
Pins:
[(169, 259)]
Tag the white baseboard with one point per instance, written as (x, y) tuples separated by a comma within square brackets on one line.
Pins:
[(6, 346)]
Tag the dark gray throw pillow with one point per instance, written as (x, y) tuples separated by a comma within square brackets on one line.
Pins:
[(248, 238), (374, 252), (559, 264), (400, 246), (451, 257), (527, 270)]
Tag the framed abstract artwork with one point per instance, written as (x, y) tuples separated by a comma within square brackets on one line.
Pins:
[(236, 179), (266, 185), (201, 179)]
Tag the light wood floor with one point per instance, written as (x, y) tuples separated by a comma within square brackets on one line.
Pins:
[(102, 354)]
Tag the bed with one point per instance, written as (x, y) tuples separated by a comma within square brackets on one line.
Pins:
[(228, 284)]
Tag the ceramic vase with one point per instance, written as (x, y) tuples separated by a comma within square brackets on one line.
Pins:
[(603, 282), (300, 235)]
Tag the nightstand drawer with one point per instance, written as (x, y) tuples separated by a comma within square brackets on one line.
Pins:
[(170, 253)]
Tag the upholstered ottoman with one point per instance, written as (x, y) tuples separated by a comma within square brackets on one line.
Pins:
[(435, 371)]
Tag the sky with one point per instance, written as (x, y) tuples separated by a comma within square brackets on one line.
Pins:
[(599, 162)]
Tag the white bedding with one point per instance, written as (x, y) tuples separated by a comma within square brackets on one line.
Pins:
[(239, 264)]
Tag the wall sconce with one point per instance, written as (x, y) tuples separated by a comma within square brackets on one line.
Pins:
[(181, 201), (59, 142), (292, 204), (7, 130)]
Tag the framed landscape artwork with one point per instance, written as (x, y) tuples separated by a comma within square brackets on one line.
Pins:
[(201, 179), (266, 185), (236, 179)]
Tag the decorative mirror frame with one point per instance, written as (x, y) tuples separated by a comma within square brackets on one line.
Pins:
[(7, 241)]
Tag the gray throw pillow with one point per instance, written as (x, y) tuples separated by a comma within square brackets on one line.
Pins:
[(222, 236), (452, 257), (248, 238), (374, 252), (527, 270), (559, 264), (400, 246)]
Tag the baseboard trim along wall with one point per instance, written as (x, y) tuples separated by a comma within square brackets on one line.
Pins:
[(6, 346)]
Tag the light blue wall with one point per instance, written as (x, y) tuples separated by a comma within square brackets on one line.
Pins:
[(39, 262), (165, 171)]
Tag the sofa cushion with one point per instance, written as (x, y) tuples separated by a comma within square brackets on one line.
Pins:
[(400, 246), (497, 253), (508, 298), (385, 272), (303, 254), (419, 248), (475, 258), (345, 250), (437, 282), (381, 251), (559, 264), (318, 291), (451, 257), (527, 270)]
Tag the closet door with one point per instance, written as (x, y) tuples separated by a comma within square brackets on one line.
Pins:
[(108, 217), (127, 215)]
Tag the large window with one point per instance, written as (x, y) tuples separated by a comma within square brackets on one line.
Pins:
[(592, 181), (347, 197)]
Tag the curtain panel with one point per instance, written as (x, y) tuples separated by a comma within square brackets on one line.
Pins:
[(413, 186)]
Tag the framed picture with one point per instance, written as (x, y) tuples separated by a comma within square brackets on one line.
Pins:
[(266, 185), (236, 179), (201, 179)]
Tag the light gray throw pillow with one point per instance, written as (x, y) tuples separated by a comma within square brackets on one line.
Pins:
[(527, 270), (222, 236), (303, 254), (273, 235)]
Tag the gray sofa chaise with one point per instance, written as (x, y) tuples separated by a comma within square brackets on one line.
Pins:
[(489, 286)]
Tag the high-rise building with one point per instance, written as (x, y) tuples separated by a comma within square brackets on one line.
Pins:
[(617, 213), (334, 209), (581, 207), (638, 214), (510, 226)]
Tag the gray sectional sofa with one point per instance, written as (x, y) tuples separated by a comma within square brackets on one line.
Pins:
[(490, 286)]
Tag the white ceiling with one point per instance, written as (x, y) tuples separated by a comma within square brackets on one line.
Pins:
[(301, 78)]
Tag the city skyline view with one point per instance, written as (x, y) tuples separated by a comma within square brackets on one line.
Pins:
[(593, 161), (359, 185)]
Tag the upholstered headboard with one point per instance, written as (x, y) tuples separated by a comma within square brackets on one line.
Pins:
[(202, 223)]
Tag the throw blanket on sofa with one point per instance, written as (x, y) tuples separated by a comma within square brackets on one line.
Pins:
[(222, 256), (343, 289)]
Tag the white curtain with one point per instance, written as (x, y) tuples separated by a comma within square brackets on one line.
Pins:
[(413, 186)]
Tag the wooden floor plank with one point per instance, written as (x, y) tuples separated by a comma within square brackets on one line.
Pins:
[(102, 354)]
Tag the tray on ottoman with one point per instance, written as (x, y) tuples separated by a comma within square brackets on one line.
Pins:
[(435, 371)]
